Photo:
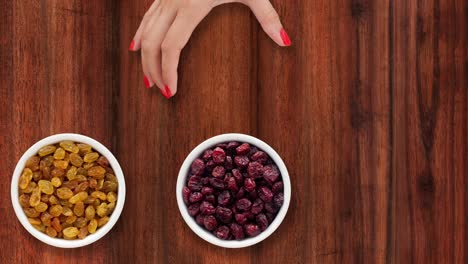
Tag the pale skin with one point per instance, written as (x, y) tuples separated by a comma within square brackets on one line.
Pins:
[(167, 26)]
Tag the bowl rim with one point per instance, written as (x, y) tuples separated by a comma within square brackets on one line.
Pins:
[(59, 242), (183, 174)]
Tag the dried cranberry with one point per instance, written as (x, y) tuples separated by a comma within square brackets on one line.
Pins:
[(271, 173), (195, 197), (207, 190), (240, 194), (232, 145), (210, 198), (207, 154), (194, 209), (207, 208), (224, 214), (198, 167), (221, 145), (232, 184), (271, 208), (199, 219), (252, 230), (249, 215), (218, 172), (218, 155), (243, 204), (243, 149), (270, 217), (259, 156), (209, 166), (237, 231), (277, 187), (228, 164), (217, 183), (249, 184), (278, 200), (186, 194), (257, 206), (210, 222), (241, 161), (255, 170), (237, 175), (205, 180), (222, 232), (240, 218), (252, 151), (224, 198), (265, 194), (195, 183), (262, 221)]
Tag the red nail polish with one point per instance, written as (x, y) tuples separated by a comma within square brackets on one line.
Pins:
[(132, 45), (285, 37), (147, 82), (168, 93)]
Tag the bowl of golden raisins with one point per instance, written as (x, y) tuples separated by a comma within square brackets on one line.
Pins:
[(68, 190)]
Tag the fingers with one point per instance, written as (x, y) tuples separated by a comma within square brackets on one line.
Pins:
[(176, 38), (152, 39), (270, 21), (136, 41)]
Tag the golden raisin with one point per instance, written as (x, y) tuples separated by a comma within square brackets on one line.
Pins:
[(102, 210), (92, 183), (91, 157), (79, 208), (98, 194), (80, 222), (24, 200), (89, 200), (41, 207), (82, 171), (80, 178), (56, 182), (41, 227), (64, 193), (31, 212), (45, 173), (100, 183), (47, 150), (31, 186), (35, 198), (92, 226), (103, 221), (83, 232), (81, 196), (56, 210), (53, 200), (82, 187), (76, 160), (33, 163), (37, 175), (96, 172), (109, 186), (57, 172), (34, 221), (112, 197), (56, 224), (71, 219), (70, 184), (71, 173), (87, 166), (62, 164), (46, 218), (111, 206), (25, 178), (70, 232), (111, 177), (45, 198), (90, 212), (51, 232), (84, 148), (59, 154), (46, 187), (67, 211), (103, 161), (69, 146)]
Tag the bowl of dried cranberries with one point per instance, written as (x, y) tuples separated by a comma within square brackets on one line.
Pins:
[(233, 190), (68, 190)]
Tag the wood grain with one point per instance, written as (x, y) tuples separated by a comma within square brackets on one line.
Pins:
[(368, 108)]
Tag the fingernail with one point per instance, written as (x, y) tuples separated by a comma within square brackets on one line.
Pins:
[(132, 45), (285, 37), (168, 93), (147, 82)]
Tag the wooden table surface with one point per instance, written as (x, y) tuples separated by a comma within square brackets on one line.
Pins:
[(368, 108)]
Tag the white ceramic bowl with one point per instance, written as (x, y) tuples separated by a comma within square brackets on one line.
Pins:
[(182, 178), (58, 242)]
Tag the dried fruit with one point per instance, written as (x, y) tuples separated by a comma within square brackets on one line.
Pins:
[(198, 167), (59, 154), (252, 230), (81, 196), (47, 150), (210, 222), (69, 146), (41, 207), (91, 157), (218, 155), (25, 178), (92, 226), (56, 182), (79, 208), (64, 193), (33, 163), (46, 186), (70, 232), (222, 232)]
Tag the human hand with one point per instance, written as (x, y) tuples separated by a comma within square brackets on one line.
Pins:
[(167, 26)]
